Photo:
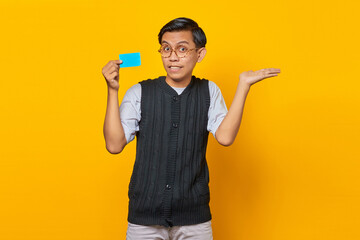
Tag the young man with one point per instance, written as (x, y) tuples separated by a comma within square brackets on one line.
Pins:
[(171, 116)]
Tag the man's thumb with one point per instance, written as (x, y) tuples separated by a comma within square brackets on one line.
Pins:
[(118, 61)]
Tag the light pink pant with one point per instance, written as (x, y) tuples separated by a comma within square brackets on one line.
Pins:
[(202, 231)]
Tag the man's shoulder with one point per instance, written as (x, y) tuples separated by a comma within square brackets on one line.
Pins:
[(134, 92), (200, 79), (212, 85), (151, 80)]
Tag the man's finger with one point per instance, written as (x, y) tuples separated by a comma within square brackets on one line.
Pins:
[(107, 66), (118, 61), (274, 69), (112, 70)]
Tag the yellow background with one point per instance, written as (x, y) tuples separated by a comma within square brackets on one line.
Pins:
[(293, 171)]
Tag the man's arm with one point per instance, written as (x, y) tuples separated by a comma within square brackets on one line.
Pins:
[(229, 127), (113, 131)]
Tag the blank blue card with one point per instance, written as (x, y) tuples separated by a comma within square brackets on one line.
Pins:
[(130, 59)]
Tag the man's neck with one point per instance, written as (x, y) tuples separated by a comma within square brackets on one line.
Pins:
[(179, 83)]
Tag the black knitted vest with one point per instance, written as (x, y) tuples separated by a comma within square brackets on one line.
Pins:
[(169, 183)]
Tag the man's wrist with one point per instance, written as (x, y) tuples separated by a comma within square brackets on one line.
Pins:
[(244, 85), (112, 90)]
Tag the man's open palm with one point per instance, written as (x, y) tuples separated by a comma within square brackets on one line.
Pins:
[(251, 77)]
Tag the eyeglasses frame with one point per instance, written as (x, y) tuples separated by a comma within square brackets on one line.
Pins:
[(176, 52)]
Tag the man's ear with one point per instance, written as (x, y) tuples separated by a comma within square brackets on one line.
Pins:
[(201, 54)]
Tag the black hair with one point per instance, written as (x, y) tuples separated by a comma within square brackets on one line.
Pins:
[(180, 24)]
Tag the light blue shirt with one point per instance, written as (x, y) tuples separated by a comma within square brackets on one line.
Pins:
[(130, 109)]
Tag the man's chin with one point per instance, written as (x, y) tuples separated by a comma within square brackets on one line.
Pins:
[(175, 78)]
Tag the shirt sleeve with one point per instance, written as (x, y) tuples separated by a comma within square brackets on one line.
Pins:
[(130, 112), (217, 110)]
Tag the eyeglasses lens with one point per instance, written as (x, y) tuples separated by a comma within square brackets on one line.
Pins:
[(167, 50)]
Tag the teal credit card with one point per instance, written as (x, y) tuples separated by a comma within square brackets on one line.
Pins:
[(130, 60)]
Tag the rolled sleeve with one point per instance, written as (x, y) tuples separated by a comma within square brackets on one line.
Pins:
[(217, 110), (130, 112)]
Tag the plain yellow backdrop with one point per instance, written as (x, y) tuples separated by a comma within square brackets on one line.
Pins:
[(293, 171)]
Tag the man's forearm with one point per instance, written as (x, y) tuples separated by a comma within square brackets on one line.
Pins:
[(229, 127), (113, 130)]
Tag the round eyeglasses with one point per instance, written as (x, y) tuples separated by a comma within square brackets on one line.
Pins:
[(180, 51)]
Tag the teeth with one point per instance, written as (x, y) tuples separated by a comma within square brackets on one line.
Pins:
[(174, 67)]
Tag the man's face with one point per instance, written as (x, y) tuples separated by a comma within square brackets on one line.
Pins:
[(179, 69)]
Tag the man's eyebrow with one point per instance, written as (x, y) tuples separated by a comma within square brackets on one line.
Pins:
[(177, 43)]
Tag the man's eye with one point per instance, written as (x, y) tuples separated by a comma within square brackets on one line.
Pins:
[(166, 49), (182, 49)]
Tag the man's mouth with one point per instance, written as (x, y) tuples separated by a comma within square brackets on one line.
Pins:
[(175, 68)]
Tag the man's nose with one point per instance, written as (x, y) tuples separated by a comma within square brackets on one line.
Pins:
[(173, 56)]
